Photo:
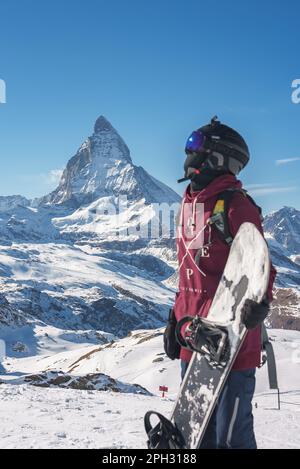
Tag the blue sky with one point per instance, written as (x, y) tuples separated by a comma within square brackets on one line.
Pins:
[(157, 70)]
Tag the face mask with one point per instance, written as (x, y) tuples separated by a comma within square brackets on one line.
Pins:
[(198, 172), (201, 180), (194, 160)]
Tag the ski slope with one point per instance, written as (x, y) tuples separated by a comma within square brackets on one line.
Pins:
[(36, 417)]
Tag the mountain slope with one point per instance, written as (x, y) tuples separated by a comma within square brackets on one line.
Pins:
[(284, 226), (81, 257), (288, 271), (282, 230), (103, 167)]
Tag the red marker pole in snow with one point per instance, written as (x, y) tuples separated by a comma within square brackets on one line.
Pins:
[(163, 389)]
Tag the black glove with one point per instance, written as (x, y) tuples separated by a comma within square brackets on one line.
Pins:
[(253, 313), (171, 346)]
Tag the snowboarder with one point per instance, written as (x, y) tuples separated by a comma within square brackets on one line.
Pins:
[(215, 154)]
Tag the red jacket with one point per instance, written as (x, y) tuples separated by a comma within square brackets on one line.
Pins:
[(199, 278)]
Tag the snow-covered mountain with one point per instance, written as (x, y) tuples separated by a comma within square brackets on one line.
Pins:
[(7, 203), (284, 226), (102, 167), (101, 192), (282, 230), (76, 259), (288, 271)]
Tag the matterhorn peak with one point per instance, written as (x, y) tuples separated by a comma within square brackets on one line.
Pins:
[(102, 167), (103, 125)]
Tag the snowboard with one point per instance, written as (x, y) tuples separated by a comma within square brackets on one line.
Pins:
[(246, 276)]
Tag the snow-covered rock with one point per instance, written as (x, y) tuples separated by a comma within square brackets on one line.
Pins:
[(285, 312), (288, 271), (89, 382), (282, 231), (284, 226), (8, 315), (10, 202)]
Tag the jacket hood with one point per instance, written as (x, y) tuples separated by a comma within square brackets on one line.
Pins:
[(218, 185)]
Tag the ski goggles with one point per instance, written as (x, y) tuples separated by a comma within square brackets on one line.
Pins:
[(195, 142)]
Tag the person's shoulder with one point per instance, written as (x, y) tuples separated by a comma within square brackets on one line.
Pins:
[(244, 206), (241, 198)]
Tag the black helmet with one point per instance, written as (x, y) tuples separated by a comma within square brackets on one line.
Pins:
[(219, 147)]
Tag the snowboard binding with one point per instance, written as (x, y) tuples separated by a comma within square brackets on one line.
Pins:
[(207, 338), (164, 435)]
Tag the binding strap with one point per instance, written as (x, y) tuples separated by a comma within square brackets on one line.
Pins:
[(182, 342), (165, 435)]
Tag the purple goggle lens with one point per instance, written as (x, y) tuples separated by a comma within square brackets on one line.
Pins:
[(195, 142)]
